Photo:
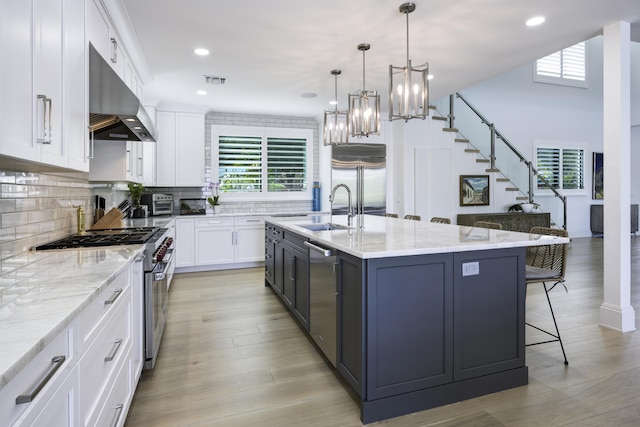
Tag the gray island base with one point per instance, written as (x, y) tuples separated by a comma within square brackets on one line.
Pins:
[(414, 330)]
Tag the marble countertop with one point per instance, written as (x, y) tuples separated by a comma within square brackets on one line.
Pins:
[(42, 292), (384, 237)]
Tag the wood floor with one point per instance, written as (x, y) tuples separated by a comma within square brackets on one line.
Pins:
[(233, 356)]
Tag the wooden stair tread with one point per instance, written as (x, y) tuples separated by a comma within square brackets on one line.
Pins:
[(522, 198), (444, 119), (449, 130), (471, 150), (461, 140), (512, 189), (503, 179), (492, 170), (482, 160)]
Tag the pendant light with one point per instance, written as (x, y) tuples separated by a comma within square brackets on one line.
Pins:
[(336, 129), (364, 107), (408, 85)]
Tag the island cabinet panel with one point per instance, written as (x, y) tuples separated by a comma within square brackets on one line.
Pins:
[(295, 285), (350, 321), (409, 324), (489, 312)]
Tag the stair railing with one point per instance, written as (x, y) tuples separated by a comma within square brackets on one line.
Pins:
[(495, 134)]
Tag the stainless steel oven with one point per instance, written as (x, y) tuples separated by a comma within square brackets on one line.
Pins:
[(158, 271), (159, 204)]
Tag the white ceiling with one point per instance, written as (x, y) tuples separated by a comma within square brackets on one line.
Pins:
[(272, 51)]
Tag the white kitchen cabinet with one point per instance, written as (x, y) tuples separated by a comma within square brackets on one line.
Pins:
[(185, 242), (249, 239), (117, 161), (180, 149), (219, 241), (214, 243), (40, 92)]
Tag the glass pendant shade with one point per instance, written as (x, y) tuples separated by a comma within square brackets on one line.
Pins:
[(336, 123), (364, 107), (408, 85)]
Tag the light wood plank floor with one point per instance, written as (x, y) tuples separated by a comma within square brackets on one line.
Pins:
[(233, 356)]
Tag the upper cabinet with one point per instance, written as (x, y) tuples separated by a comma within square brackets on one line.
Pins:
[(43, 86), (103, 36), (180, 149)]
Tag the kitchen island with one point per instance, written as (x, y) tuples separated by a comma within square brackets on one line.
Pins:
[(426, 314)]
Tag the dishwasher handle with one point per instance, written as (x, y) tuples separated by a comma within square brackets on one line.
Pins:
[(324, 251)]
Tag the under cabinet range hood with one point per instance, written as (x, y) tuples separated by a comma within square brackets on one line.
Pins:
[(115, 112)]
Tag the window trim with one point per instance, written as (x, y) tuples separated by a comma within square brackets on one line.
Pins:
[(562, 145), (563, 81), (264, 133)]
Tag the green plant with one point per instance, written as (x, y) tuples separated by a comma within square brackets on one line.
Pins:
[(135, 193)]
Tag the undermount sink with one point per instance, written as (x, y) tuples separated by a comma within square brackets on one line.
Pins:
[(327, 226)]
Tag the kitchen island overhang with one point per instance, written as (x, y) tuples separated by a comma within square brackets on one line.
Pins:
[(427, 314)]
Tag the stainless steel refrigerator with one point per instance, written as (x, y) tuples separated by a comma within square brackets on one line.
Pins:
[(370, 160)]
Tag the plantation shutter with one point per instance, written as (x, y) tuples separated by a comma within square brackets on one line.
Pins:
[(240, 163), (286, 164), (572, 169), (548, 165), (569, 63)]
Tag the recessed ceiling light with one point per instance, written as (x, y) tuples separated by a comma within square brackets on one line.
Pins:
[(201, 92), (201, 51), (333, 102), (430, 77), (536, 20), (309, 95)]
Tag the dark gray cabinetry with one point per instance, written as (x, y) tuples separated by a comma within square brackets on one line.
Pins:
[(290, 270), (513, 221), (269, 255), (597, 219), (350, 321)]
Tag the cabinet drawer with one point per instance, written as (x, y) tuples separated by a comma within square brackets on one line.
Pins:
[(92, 318), (250, 220), (104, 357), (214, 222), (35, 373), (116, 405)]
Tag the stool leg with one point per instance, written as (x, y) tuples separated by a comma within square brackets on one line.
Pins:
[(566, 362)]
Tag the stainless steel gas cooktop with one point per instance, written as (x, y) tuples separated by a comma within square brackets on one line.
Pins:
[(108, 237)]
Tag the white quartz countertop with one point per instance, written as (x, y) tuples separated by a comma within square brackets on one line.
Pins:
[(384, 237), (42, 292)]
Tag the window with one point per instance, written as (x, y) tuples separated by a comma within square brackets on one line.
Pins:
[(262, 163), (566, 67), (562, 167)]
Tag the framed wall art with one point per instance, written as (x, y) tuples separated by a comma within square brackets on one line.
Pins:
[(597, 178), (474, 190)]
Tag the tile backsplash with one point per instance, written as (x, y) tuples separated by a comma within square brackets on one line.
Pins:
[(39, 207)]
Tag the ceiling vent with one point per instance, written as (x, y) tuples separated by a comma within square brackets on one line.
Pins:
[(215, 80)]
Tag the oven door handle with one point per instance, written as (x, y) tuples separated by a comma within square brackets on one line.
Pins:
[(157, 276)]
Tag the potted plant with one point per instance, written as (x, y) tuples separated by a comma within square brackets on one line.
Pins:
[(135, 194), (214, 200), (525, 207)]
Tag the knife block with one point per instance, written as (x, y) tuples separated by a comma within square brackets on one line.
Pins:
[(112, 219)]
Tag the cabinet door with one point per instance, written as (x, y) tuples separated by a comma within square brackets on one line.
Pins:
[(148, 163), (47, 75), (165, 149), (185, 242), (189, 152), (350, 321), (249, 240), (137, 306), (489, 312), (98, 28), (301, 293), (214, 245), (16, 92), (409, 324), (288, 276)]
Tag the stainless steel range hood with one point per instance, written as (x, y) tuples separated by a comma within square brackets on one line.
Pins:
[(115, 112)]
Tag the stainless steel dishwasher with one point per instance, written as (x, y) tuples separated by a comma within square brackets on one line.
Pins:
[(323, 298)]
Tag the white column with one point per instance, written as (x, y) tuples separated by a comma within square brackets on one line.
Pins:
[(616, 311)]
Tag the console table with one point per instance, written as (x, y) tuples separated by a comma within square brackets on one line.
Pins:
[(597, 219), (512, 221)]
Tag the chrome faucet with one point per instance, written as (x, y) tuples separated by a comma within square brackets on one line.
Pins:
[(350, 209)]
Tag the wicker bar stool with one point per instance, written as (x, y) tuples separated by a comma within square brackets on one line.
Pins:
[(486, 224), (441, 220), (413, 217), (391, 215)]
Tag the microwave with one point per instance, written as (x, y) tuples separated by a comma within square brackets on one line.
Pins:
[(158, 204)]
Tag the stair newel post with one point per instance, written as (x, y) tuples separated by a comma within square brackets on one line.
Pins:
[(493, 145), (530, 165), (451, 115)]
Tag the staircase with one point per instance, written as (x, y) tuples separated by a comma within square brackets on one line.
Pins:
[(491, 149)]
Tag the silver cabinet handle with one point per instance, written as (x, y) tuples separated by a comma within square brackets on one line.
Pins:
[(324, 251), (117, 415), (49, 137), (42, 137), (56, 363), (129, 161), (114, 50), (116, 346), (252, 220), (92, 139), (114, 297)]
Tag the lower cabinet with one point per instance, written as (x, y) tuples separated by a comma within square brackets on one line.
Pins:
[(219, 241), (92, 362)]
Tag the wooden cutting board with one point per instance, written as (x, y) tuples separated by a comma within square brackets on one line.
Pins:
[(112, 219)]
